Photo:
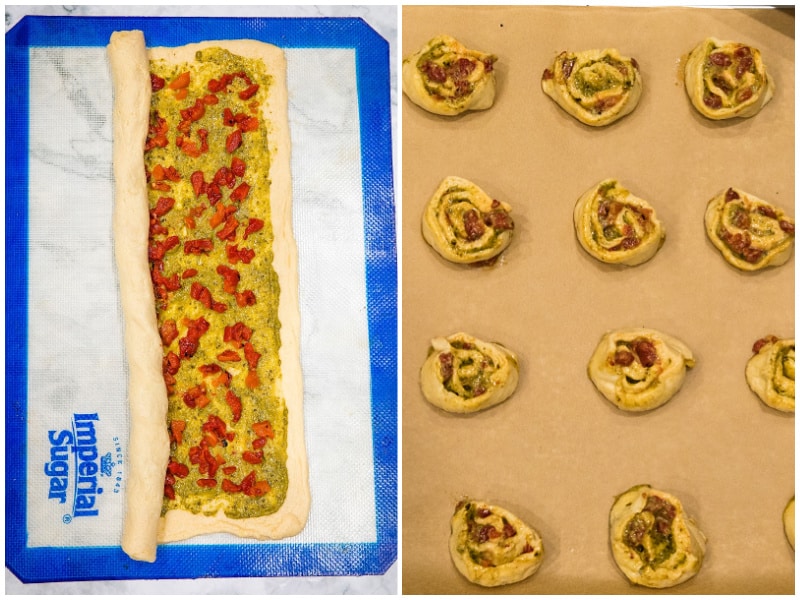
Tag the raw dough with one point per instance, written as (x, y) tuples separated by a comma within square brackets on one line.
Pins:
[(147, 458)]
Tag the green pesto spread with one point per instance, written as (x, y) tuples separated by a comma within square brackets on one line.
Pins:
[(188, 220)]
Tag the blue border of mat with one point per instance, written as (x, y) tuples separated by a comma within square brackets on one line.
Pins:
[(373, 76)]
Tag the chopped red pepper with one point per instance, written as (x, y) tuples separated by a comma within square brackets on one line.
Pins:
[(253, 225), (236, 405), (233, 141), (230, 278), (198, 246), (245, 298)]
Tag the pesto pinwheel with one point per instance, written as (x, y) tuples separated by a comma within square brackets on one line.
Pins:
[(770, 372), (447, 78), (654, 543), (597, 87), (616, 227), (490, 546), (727, 79), (639, 369), (463, 374), (464, 224), (750, 233), (788, 522)]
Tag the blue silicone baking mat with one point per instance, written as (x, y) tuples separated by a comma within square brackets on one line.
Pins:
[(66, 414)]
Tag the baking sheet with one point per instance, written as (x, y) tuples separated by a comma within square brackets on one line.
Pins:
[(65, 364), (557, 453)]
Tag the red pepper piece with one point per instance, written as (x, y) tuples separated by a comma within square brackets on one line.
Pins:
[(241, 192), (245, 298), (228, 232), (251, 356), (253, 225), (156, 82), (238, 166), (230, 278), (207, 483), (233, 141), (168, 331), (254, 457), (252, 381), (176, 428), (235, 254), (228, 356), (236, 334), (180, 82), (200, 246), (263, 429), (163, 206), (236, 405), (248, 92)]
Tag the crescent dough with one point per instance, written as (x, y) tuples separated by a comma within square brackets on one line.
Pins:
[(491, 547), (463, 374), (639, 369), (150, 447), (616, 227), (727, 79), (788, 521), (770, 372), (464, 224), (750, 233), (597, 87), (446, 78), (653, 542)]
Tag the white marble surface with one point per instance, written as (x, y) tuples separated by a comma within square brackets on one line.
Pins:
[(384, 20)]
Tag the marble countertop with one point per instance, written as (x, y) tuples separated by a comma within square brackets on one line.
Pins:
[(384, 20)]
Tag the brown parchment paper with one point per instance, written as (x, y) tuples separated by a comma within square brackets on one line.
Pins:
[(557, 453)]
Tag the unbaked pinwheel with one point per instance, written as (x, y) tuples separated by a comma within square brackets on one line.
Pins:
[(597, 87), (446, 78), (639, 369), (727, 79), (490, 546), (616, 227), (770, 372), (463, 374), (464, 224), (653, 541), (788, 521), (750, 233)]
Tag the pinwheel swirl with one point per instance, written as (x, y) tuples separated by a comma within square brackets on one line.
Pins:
[(490, 546), (464, 224), (788, 522), (616, 227), (770, 372), (727, 79), (446, 78), (750, 233), (653, 542), (597, 87), (463, 374), (639, 369)]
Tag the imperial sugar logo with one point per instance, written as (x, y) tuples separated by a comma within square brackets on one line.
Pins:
[(82, 468)]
